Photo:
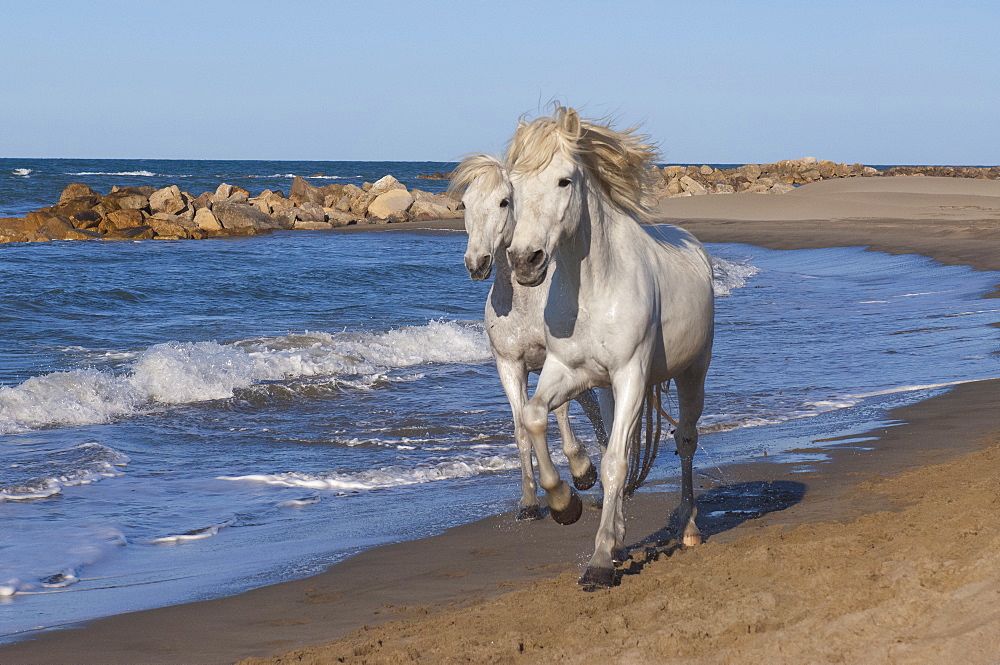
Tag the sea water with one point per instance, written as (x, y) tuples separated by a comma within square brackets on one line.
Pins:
[(182, 420)]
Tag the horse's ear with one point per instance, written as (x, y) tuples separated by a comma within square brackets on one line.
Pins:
[(571, 123)]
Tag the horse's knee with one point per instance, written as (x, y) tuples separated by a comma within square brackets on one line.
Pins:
[(535, 418)]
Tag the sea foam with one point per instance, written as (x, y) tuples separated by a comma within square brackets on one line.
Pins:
[(728, 276), (386, 477), (188, 372), (81, 465)]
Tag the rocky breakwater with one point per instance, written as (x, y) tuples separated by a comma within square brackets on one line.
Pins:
[(139, 213), (786, 175)]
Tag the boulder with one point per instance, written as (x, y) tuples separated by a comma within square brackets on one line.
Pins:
[(303, 191), (55, 227), (689, 184), (433, 206), (125, 198), (781, 188), (750, 171), (339, 218), (75, 190), (310, 212), (285, 218), (170, 226), (391, 204), (123, 219), (204, 200), (312, 226), (132, 233), (222, 192), (206, 221), (167, 200), (242, 216), (705, 169)]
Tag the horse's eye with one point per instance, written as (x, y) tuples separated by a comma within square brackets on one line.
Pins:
[(504, 203), (461, 206), (564, 182)]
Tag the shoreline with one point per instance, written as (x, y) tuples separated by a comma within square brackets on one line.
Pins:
[(485, 559)]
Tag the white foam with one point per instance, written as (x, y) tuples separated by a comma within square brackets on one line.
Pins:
[(187, 372), (728, 276), (22, 172), (82, 465), (386, 477), (145, 174), (26, 567), (195, 534)]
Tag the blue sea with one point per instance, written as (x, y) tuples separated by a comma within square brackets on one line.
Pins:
[(182, 420)]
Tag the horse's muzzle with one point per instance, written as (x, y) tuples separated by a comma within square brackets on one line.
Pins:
[(479, 267), (529, 266)]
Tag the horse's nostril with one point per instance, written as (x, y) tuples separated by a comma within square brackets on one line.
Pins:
[(536, 258)]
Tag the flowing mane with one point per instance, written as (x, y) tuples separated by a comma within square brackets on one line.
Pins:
[(620, 161), (475, 166)]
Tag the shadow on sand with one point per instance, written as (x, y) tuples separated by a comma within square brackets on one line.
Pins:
[(719, 510)]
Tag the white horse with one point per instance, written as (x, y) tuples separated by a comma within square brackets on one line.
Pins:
[(624, 310), (513, 320)]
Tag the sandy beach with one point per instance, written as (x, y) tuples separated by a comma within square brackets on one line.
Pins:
[(886, 556)]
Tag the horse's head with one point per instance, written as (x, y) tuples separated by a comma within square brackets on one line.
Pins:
[(488, 211), (548, 192), (559, 164)]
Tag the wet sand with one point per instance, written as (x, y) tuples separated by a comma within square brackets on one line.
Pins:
[(889, 555)]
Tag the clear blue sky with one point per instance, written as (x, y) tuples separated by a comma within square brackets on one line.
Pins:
[(725, 81)]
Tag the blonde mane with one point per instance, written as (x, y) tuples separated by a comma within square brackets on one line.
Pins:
[(475, 166), (620, 161)]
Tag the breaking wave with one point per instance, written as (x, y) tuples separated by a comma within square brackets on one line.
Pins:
[(188, 372), (385, 477), (82, 465), (729, 275)]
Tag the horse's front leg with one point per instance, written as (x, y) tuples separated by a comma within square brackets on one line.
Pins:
[(556, 385), (580, 466), (609, 545), (514, 378)]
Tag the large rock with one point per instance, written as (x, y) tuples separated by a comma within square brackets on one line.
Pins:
[(125, 198), (303, 191), (167, 225), (75, 190), (339, 218), (750, 171), (205, 220), (433, 206), (692, 186), (310, 212), (391, 205), (312, 226), (237, 216), (168, 200)]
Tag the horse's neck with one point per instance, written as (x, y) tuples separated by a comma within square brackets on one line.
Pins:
[(502, 293), (591, 258)]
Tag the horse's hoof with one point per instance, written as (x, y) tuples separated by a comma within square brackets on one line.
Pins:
[(571, 513), (587, 480), (528, 513), (597, 578), (691, 539)]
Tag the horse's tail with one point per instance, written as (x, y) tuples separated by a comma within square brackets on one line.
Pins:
[(645, 444)]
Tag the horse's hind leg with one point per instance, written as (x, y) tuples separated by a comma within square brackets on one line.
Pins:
[(514, 378), (584, 473), (691, 401), (592, 409)]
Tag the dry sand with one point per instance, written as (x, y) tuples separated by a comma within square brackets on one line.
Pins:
[(885, 556)]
